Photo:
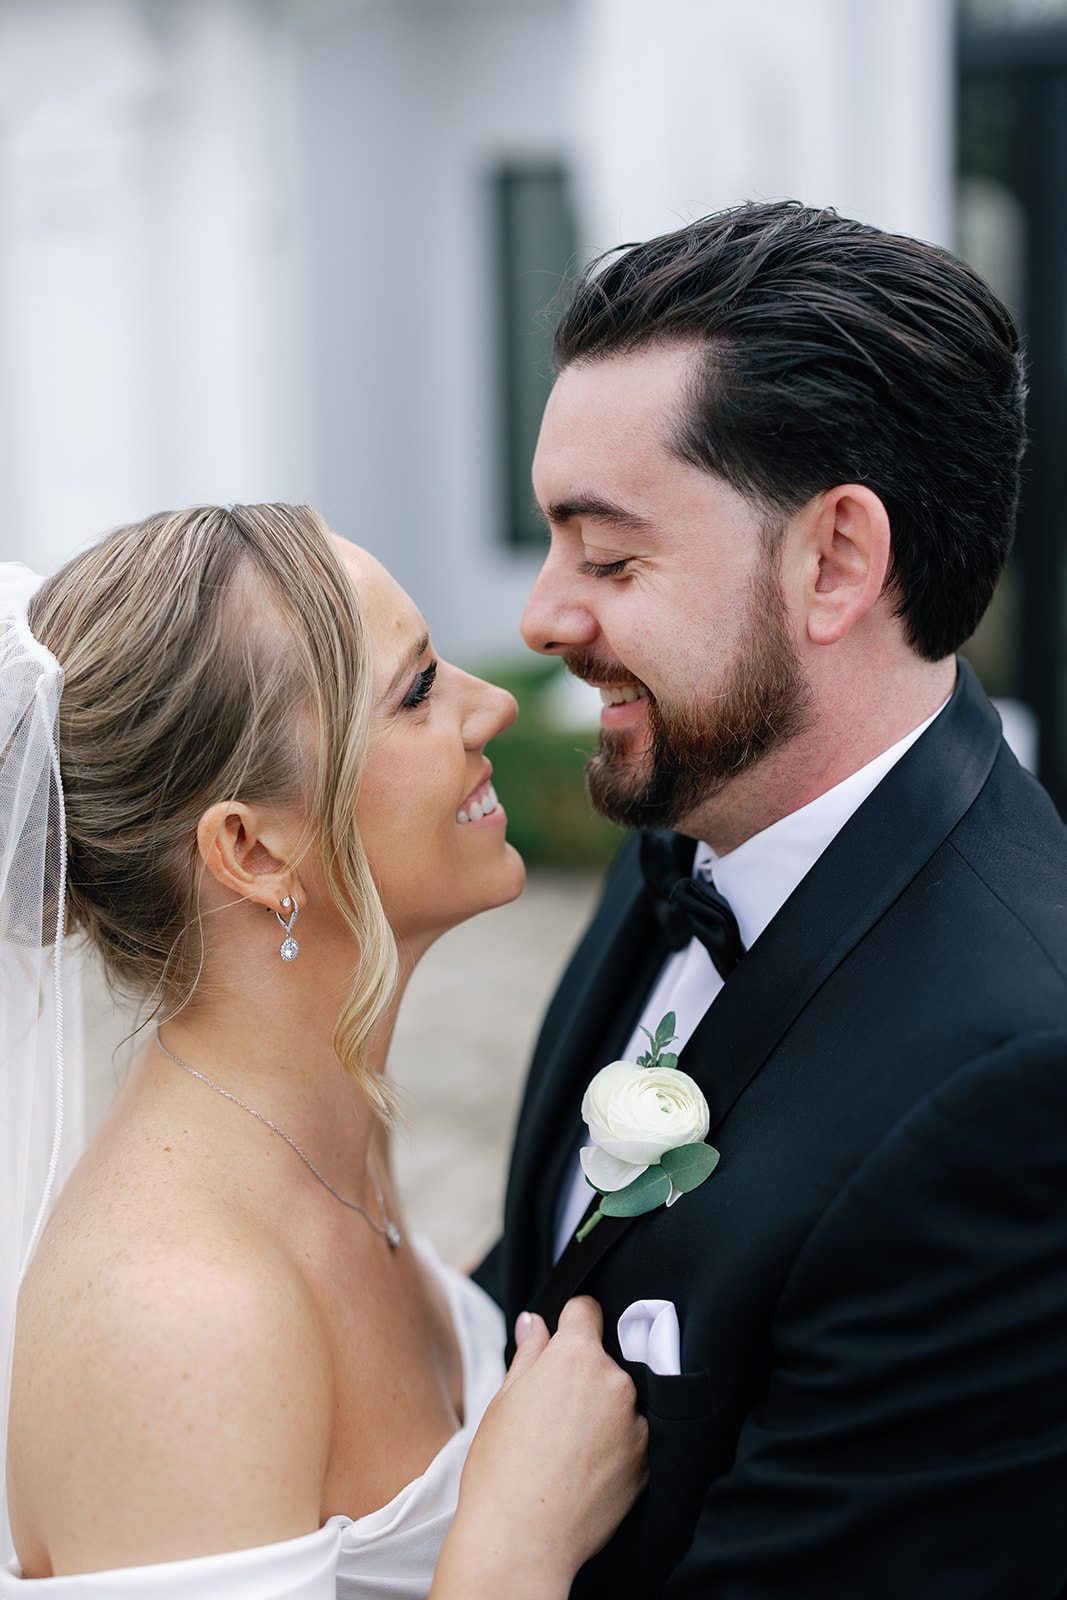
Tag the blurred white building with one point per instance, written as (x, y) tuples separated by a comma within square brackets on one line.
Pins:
[(258, 249)]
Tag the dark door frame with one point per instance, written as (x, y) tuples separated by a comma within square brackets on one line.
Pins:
[(1035, 60)]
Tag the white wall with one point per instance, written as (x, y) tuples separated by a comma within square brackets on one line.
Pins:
[(409, 109), (690, 105)]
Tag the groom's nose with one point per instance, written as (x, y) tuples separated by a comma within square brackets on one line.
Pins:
[(558, 614)]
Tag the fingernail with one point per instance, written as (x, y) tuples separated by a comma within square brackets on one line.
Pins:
[(522, 1326)]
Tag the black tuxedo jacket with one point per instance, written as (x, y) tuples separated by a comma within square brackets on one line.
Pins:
[(872, 1286)]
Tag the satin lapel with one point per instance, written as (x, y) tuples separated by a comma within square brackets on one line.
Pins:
[(857, 878), (601, 985)]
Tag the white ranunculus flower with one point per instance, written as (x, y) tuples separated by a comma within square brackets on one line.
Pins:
[(635, 1114)]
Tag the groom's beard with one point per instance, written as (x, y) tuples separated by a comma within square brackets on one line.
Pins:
[(697, 748)]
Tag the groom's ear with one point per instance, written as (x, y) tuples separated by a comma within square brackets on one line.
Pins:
[(838, 557)]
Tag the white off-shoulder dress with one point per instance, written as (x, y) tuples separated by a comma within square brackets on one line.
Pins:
[(388, 1555)]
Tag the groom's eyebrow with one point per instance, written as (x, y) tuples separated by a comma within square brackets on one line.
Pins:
[(594, 509), (418, 649)]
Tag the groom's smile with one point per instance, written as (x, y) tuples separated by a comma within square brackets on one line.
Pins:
[(661, 589), (623, 698)]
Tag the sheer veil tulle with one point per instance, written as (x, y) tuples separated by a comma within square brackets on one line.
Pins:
[(41, 1094)]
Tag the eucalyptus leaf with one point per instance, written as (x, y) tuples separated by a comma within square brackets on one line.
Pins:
[(647, 1192), (662, 1036), (689, 1165), (667, 1059), (666, 1030)]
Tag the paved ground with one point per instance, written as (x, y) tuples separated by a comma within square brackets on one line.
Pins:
[(462, 1044)]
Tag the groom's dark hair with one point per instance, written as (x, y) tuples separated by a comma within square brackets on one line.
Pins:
[(835, 353)]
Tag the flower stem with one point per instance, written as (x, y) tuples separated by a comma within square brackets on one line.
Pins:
[(589, 1226)]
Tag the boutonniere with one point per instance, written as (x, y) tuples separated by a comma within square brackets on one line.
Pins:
[(648, 1121)]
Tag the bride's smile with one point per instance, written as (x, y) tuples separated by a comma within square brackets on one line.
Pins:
[(428, 815)]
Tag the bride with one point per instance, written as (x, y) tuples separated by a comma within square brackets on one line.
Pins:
[(234, 1373)]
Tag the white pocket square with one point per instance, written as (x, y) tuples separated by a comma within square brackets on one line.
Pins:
[(648, 1332)]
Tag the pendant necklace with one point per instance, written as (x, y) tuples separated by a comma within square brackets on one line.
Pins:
[(387, 1229)]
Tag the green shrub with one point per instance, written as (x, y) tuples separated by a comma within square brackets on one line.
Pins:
[(537, 773)]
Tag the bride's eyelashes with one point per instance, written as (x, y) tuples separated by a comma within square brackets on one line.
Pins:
[(420, 689)]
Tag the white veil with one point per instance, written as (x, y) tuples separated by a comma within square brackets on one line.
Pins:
[(40, 1116)]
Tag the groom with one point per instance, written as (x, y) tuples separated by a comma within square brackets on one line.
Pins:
[(779, 468)]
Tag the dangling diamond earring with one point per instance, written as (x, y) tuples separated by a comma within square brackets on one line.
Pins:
[(289, 949)]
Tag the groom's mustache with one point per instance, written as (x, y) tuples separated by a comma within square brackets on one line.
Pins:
[(606, 674)]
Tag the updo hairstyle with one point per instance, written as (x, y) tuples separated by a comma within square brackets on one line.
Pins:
[(214, 654)]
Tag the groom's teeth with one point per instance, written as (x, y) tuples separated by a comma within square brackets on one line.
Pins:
[(617, 697), (476, 813), (461, 816)]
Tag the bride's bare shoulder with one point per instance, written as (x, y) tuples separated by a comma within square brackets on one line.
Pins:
[(178, 1363)]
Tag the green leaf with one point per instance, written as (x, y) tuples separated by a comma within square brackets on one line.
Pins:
[(644, 1194), (667, 1059), (689, 1165), (666, 1030), (662, 1036)]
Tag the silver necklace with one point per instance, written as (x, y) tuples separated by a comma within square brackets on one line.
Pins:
[(387, 1229)]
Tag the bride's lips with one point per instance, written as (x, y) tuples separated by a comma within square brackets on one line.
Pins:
[(481, 805)]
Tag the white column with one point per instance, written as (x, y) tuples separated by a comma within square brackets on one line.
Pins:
[(151, 311), (75, 83), (228, 261), (691, 105)]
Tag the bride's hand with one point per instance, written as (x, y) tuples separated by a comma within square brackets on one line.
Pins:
[(559, 1458)]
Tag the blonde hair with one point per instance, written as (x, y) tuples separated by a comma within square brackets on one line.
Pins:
[(204, 652)]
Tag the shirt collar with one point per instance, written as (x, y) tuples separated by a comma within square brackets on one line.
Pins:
[(759, 876)]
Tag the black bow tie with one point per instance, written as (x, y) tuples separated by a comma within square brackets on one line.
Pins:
[(688, 907)]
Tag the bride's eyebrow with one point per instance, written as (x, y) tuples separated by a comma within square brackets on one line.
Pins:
[(418, 649)]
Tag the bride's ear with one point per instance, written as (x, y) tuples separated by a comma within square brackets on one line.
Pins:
[(245, 849)]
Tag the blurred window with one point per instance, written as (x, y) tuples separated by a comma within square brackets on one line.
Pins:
[(536, 234)]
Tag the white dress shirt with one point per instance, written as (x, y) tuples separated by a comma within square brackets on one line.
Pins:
[(757, 879)]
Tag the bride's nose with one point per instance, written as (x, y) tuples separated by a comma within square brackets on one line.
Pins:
[(488, 711)]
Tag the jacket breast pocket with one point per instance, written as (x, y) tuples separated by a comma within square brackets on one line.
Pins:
[(682, 1439), (684, 1397)]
